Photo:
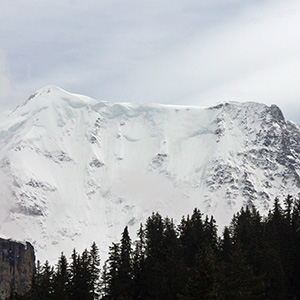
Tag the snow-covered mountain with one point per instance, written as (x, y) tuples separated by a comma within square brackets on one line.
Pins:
[(75, 170)]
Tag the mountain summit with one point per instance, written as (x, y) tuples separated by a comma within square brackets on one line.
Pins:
[(75, 170)]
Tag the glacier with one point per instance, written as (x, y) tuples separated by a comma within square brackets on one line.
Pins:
[(74, 170)]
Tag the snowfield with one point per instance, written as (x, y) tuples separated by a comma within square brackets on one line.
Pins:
[(74, 170)]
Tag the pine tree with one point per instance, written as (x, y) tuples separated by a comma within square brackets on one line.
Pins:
[(125, 274), (139, 265), (288, 202), (79, 281), (94, 270), (154, 257), (280, 241), (241, 228), (203, 282), (226, 246), (81, 278), (86, 276), (112, 275), (35, 292), (173, 271), (61, 279), (154, 236), (295, 224), (192, 236), (210, 232), (296, 216), (248, 232), (75, 277), (104, 283), (275, 278), (238, 280), (46, 281)]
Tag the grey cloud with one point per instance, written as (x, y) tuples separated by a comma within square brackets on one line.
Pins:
[(5, 81), (181, 52)]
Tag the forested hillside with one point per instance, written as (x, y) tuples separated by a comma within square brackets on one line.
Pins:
[(255, 258)]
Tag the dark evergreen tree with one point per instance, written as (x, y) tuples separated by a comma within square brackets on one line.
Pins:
[(61, 279), (104, 283), (94, 270), (75, 280), (203, 279), (125, 272), (112, 275), (46, 281), (248, 232), (238, 281), (139, 265), (226, 246), (80, 283), (87, 287), (192, 236), (288, 202), (241, 228), (295, 225), (279, 238), (275, 279), (210, 232), (35, 292), (154, 257), (173, 269), (296, 216)]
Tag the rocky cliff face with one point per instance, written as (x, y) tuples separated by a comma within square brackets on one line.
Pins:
[(17, 262)]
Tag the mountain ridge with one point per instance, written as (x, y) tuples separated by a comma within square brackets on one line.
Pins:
[(74, 169)]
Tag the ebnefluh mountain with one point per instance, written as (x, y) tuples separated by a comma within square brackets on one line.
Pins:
[(75, 170)]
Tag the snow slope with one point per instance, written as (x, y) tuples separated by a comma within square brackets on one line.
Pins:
[(74, 170)]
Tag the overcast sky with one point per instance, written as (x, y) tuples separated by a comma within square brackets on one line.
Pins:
[(162, 51)]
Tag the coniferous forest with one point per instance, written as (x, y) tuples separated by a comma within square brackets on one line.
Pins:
[(255, 258)]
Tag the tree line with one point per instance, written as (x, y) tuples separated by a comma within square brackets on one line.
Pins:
[(255, 258)]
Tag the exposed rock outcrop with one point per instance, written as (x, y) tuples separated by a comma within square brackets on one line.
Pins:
[(17, 263)]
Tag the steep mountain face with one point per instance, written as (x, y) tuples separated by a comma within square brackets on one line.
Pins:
[(17, 263), (75, 170)]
